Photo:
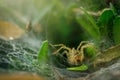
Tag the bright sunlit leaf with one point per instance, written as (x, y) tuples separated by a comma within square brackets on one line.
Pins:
[(79, 68), (43, 53)]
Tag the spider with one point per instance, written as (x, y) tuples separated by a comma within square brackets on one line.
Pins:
[(74, 56)]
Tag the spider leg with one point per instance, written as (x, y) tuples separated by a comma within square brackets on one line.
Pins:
[(65, 52), (82, 51), (81, 43), (62, 47), (57, 45)]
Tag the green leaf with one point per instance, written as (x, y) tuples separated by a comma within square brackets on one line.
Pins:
[(106, 17), (91, 51), (113, 9), (43, 53), (89, 24), (79, 68), (105, 23), (116, 30)]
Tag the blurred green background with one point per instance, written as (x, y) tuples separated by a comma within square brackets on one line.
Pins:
[(57, 19)]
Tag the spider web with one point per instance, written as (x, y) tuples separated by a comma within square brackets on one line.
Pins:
[(20, 56)]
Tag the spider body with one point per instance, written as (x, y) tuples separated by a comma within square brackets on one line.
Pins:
[(74, 56)]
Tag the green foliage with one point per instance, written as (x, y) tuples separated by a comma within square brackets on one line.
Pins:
[(108, 23), (92, 5), (89, 25), (83, 67), (116, 30), (91, 51), (64, 26), (113, 9), (106, 17), (105, 23), (43, 53)]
